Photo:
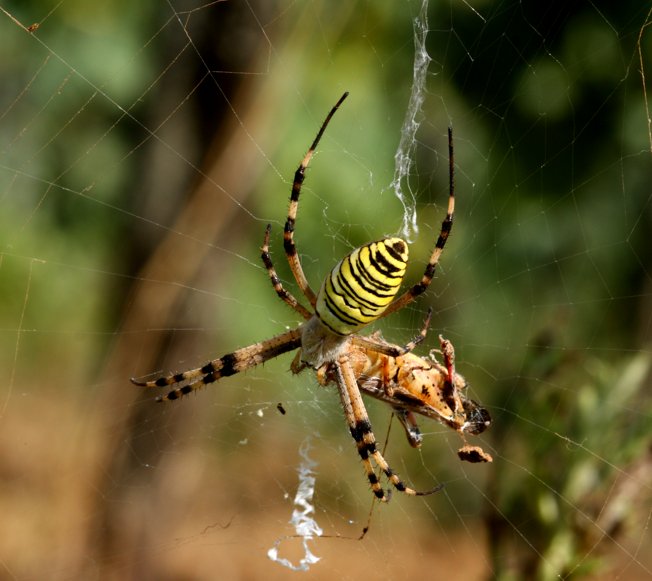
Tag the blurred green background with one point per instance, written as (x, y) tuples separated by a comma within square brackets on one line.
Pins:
[(143, 149)]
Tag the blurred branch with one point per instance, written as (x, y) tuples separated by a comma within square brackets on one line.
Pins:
[(155, 305)]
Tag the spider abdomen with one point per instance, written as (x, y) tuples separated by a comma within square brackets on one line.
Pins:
[(361, 286)]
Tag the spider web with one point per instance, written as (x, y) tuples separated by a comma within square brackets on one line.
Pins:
[(144, 148)]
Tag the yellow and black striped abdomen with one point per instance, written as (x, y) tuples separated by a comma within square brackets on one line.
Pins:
[(359, 288)]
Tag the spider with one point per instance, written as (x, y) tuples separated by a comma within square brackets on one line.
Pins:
[(360, 289)]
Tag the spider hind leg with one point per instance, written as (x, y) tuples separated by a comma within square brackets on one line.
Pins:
[(229, 364)]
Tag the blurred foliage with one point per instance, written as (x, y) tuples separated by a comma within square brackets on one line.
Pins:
[(575, 438)]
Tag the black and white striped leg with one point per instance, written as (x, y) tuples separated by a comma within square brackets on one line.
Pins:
[(360, 428), (288, 232), (228, 364), (284, 295)]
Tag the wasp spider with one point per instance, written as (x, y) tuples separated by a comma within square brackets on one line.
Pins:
[(359, 290)]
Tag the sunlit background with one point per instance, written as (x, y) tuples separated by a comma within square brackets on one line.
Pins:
[(143, 149)]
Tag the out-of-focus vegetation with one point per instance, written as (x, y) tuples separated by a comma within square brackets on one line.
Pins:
[(143, 151)]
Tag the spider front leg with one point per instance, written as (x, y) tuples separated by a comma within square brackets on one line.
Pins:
[(360, 427), (288, 233), (446, 227)]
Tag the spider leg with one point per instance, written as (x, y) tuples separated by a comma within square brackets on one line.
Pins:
[(283, 294), (288, 233), (446, 226), (389, 349), (228, 364), (360, 427)]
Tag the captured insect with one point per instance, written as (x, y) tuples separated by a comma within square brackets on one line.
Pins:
[(416, 385)]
